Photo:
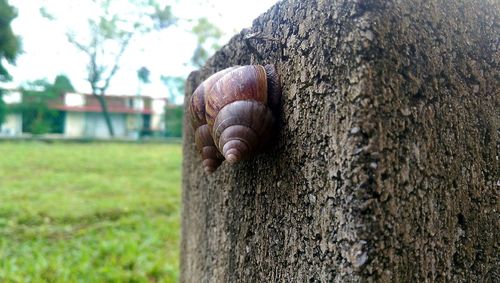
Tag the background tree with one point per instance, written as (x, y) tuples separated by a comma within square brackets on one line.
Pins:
[(208, 36), (173, 113), (38, 118), (143, 74), (9, 48), (109, 34), (3, 108), (175, 87), (173, 120)]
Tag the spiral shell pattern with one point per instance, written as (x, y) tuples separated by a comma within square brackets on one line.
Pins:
[(234, 113)]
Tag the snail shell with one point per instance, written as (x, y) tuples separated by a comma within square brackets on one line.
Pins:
[(203, 138), (237, 108)]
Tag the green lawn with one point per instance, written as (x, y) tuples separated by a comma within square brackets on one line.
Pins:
[(94, 212)]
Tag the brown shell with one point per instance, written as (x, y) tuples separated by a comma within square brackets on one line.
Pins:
[(243, 83), (233, 112), (242, 128), (210, 155), (197, 102)]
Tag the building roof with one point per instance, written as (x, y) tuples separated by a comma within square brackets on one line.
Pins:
[(79, 102), (125, 104), (98, 109), (129, 96)]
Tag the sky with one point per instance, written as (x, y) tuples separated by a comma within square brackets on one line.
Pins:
[(47, 53)]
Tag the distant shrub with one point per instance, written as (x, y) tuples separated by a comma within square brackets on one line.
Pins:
[(37, 117), (173, 120)]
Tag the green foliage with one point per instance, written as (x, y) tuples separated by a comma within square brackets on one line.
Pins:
[(173, 121), (206, 31), (37, 117), (34, 107), (208, 36), (10, 46), (3, 108), (143, 75), (62, 84), (117, 222), (162, 16), (175, 87), (9, 43)]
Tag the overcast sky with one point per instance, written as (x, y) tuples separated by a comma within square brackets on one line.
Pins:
[(47, 52)]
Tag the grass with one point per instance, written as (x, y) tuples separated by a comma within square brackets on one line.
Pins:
[(89, 212)]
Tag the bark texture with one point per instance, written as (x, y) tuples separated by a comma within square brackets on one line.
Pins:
[(386, 165)]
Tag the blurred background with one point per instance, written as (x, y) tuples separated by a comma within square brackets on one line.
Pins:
[(91, 95)]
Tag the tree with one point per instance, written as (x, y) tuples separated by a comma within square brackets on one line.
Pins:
[(208, 36), (173, 120), (143, 74), (62, 84), (9, 48), (3, 108), (173, 113), (110, 32), (38, 118), (175, 87)]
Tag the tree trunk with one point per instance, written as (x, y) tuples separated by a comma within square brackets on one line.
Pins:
[(386, 165), (105, 113)]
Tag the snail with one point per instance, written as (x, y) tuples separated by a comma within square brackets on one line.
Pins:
[(233, 113)]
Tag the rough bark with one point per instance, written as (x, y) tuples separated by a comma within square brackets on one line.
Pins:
[(386, 165)]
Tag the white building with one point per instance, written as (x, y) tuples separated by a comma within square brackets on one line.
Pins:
[(131, 116)]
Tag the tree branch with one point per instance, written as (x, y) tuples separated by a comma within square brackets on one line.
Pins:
[(94, 72), (80, 46), (117, 61)]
